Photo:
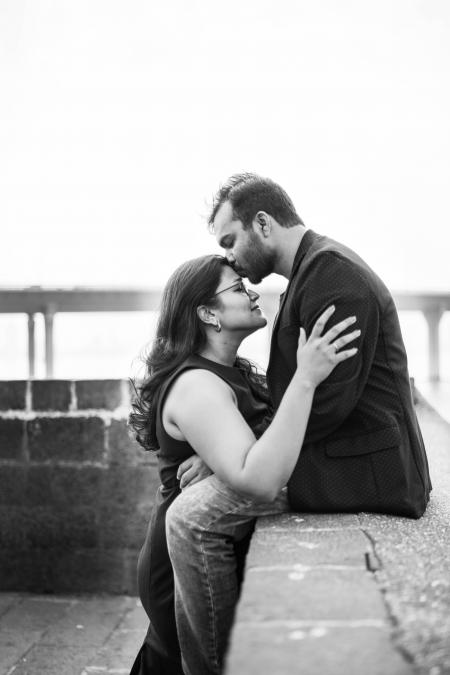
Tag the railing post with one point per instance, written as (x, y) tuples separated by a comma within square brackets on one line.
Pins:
[(48, 320), (31, 346), (433, 318)]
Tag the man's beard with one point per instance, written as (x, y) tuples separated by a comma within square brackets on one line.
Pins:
[(259, 263)]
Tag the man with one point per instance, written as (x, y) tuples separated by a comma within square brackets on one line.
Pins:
[(363, 450)]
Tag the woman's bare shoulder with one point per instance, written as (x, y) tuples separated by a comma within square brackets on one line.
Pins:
[(198, 384)]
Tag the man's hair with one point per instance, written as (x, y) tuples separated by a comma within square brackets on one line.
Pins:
[(249, 193)]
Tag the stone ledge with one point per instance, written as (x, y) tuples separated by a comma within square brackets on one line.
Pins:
[(314, 649), (309, 604)]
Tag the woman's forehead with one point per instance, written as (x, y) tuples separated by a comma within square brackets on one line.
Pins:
[(229, 275)]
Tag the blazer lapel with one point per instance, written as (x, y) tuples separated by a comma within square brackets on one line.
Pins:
[(304, 245)]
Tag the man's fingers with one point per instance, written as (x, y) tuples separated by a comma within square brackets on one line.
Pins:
[(184, 466), (187, 478), (192, 481)]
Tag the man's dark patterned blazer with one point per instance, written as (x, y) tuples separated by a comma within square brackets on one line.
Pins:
[(363, 449)]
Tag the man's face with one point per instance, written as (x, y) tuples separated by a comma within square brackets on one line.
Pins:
[(245, 250)]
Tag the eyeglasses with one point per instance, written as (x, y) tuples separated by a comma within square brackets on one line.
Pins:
[(239, 285)]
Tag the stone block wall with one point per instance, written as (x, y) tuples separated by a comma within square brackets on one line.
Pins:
[(76, 491)]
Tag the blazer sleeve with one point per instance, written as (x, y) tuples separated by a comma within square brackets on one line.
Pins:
[(332, 279)]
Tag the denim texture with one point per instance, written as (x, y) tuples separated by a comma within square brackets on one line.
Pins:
[(202, 525)]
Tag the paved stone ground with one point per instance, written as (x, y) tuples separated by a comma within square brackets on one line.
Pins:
[(393, 620), (56, 635)]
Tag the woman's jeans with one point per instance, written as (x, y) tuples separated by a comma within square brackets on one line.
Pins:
[(202, 525)]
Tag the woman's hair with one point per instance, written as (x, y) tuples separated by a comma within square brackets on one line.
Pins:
[(179, 334)]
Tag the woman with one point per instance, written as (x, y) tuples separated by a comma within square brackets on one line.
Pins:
[(199, 397)]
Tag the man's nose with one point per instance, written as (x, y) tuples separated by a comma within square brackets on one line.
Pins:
[(230, 257)]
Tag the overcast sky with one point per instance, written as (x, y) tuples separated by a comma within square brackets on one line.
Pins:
[(119, 120)]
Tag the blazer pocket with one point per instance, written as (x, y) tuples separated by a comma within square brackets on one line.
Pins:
[(364, 444)]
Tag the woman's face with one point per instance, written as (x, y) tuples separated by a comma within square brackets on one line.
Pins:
[(237, 308)]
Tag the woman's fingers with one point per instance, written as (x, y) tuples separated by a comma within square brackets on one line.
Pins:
[(331, 334), (346, 354), (302, 338), (321, 321), (345, 339)]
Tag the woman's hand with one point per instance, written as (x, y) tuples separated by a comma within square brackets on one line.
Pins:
[(192, 470), (318, 355)]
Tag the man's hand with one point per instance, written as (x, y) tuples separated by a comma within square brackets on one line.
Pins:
[(192, 470)]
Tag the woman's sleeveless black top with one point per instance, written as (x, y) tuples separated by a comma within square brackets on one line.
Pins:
[(251, 406)]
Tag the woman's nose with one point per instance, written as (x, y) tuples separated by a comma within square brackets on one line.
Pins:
[(253, 294)]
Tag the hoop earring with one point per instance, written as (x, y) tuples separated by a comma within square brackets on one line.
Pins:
[(217, 326)]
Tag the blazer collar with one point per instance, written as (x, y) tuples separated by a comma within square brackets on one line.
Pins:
[(305, 244)]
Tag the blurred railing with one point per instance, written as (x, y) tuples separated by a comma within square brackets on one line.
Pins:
[(46, 301)]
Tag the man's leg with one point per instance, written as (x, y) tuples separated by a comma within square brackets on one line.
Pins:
[(202, 525)]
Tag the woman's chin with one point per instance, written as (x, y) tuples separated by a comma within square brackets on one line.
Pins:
[(257, 323), (260, 322)]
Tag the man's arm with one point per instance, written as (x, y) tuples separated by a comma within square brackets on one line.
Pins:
[(333, 280)]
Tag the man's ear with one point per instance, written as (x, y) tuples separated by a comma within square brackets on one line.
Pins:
[(262, 223), (206, 316)]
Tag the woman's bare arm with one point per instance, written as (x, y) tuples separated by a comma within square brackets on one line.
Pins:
[(203, 408)]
